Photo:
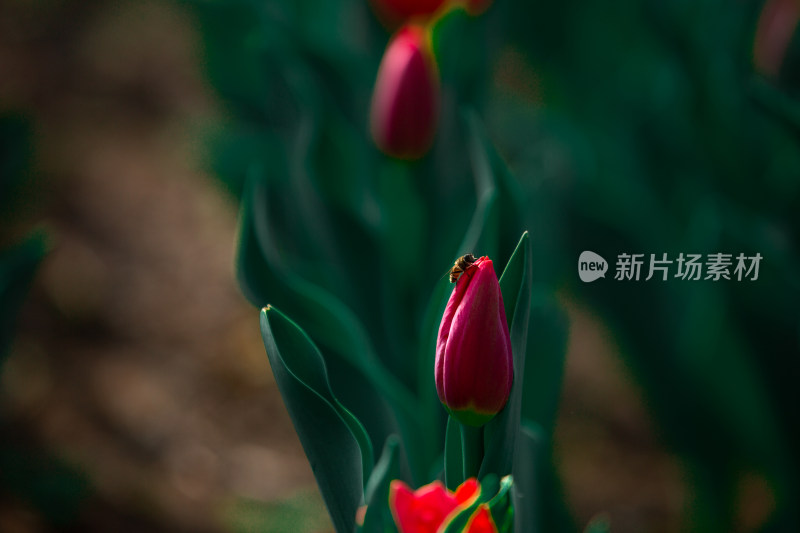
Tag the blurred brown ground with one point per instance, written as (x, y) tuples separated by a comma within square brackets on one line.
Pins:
[(139, 362)]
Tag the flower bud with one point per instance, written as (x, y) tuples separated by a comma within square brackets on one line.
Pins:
[(474, 367), (405, 100)]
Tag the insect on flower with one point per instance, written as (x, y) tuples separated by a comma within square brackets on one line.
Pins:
[(461, 265)]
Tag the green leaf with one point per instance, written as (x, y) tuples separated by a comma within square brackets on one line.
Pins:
[(513, 278), (431, 408), (460, 46), (378, 517), (335, 442), (497, 215), (263, 273), (527, 500), (538, 497), (501, 505), (245, 31), (500, 433), (453, 455), (548, 329), (496, 186)]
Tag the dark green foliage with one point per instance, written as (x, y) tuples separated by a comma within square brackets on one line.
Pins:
[(676, 146), (633, 127)]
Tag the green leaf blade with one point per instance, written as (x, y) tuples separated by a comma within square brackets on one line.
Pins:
[(337, 446), (378, 517), (501, 432)]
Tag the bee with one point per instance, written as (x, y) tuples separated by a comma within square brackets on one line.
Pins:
[(461, 265)]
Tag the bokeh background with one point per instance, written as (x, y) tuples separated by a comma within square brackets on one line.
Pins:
[(135, 394)]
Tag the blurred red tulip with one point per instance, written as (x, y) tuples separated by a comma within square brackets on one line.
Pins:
[(405, 100), (428, 508), (776, 27)]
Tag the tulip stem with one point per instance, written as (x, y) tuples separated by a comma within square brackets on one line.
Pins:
[(471, 449)]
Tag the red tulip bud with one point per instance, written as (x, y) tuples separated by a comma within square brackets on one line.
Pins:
[(474, 366), (405, 101)]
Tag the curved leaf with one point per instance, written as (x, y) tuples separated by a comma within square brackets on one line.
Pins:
[(548, 329), (527, 499), (335, 442), (502, 506), (538, 498), (453, 455), (378, 516), (262, 272), (501, 432)]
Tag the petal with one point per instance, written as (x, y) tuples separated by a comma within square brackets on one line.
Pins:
[(401, 503), (467, 491), (421, 511), (481, 521), (444, 331)]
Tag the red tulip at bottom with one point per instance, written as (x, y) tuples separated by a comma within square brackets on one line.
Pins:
[(430, 508), (474, 368), (405, 100)]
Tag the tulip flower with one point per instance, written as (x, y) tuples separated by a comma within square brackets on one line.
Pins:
[(428, 508), (474, 367), (405, 100)]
